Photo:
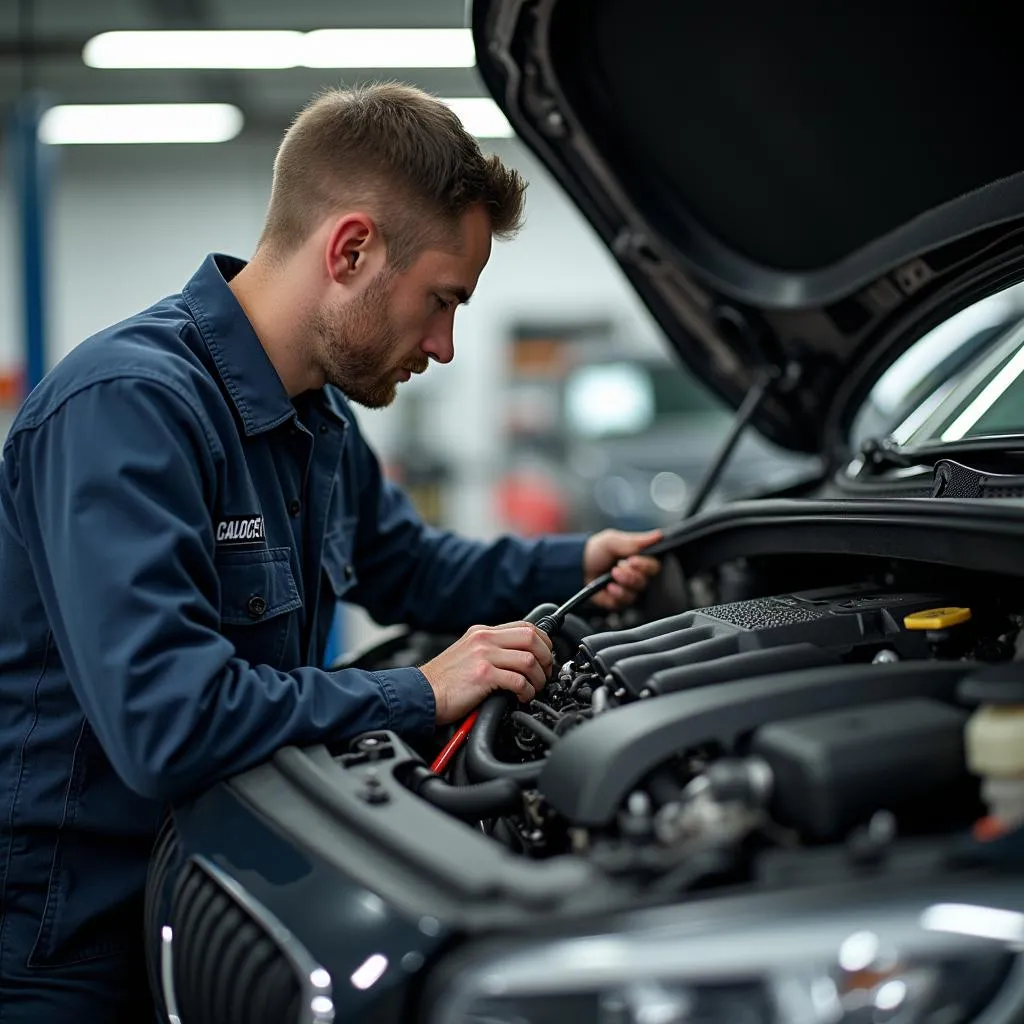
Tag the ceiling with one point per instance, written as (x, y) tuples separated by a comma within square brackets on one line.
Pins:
[(41, 44)]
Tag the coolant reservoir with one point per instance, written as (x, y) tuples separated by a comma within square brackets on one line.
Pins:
[(994, 740)]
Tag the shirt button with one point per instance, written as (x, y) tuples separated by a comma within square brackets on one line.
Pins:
[(323, 428), (294, 507), (257, 606), (348, 572)]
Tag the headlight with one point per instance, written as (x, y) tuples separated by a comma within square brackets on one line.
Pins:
[(776, 960)]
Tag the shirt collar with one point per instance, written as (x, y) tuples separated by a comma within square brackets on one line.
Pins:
[(241, 361)]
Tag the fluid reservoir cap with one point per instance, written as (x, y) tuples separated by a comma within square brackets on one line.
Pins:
[(937, 618)]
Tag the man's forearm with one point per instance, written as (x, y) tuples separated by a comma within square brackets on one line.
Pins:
[(452, 583)]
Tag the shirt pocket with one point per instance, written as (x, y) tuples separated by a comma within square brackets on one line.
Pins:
[(258, 593)]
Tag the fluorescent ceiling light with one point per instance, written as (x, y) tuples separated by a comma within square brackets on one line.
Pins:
[(259, 49), (481, 117), (324, 48), (126, 123), (389, 48)]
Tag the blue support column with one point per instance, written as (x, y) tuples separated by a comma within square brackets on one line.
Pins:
[(31, 166)]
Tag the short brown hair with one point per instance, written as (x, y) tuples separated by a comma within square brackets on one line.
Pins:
[(396, 149)]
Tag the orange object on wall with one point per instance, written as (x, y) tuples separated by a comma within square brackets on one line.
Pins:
[(531, 505), (12, 389)]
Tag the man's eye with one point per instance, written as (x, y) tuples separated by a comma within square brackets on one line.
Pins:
[(443, 303)]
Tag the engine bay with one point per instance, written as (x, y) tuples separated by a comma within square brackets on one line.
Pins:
[(676, 752), (816, 716)]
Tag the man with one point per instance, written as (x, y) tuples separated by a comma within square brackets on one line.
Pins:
[(185, 498)]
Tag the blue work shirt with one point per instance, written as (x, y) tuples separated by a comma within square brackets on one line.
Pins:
[(175, 534)]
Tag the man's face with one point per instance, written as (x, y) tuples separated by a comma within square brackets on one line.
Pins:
[(370, 343)]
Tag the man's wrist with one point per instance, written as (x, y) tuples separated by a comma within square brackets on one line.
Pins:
[(436, 690)]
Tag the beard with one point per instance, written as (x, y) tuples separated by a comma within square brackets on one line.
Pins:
[(359, 346)]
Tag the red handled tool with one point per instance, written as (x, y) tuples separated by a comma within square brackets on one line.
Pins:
[(452, 746)]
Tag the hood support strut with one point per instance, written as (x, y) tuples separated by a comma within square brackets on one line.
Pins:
[(758, 392)]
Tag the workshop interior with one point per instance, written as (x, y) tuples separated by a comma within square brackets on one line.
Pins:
[(768, 299)]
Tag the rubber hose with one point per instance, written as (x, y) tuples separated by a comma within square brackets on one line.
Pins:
[(460, 777), (539, 729), (480, 760), (483, 800), (540, 613), (576, 630)]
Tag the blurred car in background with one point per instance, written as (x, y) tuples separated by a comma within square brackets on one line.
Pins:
[(642, 433)]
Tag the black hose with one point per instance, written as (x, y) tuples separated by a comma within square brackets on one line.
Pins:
[(547, 709), (566, 722), (471, 803), (551, 622), (460, 777), (583, 677), (539, 729), (574, 629), (480, 760)]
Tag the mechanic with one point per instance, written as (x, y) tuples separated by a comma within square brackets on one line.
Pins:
[(186, 497)]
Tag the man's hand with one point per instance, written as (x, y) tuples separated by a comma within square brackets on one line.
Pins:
[(514, 657), (606, 550)]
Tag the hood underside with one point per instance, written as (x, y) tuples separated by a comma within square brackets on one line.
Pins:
[(800, 189)]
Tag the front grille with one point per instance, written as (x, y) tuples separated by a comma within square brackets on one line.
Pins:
[(227, 970)]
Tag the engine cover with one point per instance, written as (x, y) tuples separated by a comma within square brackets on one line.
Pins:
[(755, 637)]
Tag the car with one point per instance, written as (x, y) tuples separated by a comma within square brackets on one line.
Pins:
[(789, 787), (624, 464)]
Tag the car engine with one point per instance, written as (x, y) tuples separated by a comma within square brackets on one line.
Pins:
[(673, 751)]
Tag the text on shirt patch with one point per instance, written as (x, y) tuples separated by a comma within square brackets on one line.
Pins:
[(240, 530)]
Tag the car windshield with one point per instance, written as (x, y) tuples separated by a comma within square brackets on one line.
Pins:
[(964, 379)]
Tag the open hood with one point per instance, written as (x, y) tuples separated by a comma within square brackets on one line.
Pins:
[(800, 189)]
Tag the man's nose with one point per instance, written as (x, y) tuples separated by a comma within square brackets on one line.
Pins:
[(440, 347)]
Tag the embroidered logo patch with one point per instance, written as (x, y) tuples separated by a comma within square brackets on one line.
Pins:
[(238, 530)]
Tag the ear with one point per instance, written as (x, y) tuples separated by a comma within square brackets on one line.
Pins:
[(350, 245)]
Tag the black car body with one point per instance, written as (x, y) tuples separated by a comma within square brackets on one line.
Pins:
[(787, 789)]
